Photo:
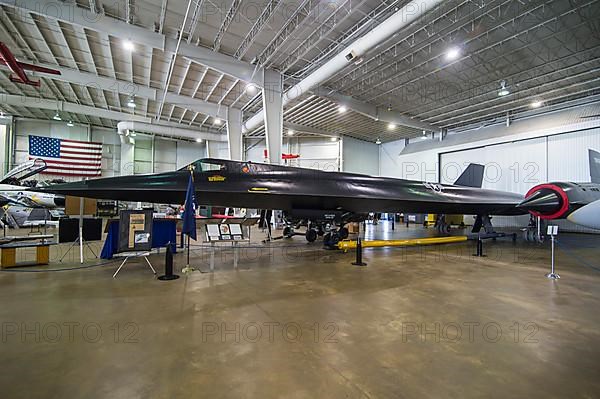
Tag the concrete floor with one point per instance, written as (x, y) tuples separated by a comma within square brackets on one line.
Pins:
[(423, 322)]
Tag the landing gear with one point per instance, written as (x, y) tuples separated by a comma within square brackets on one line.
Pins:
[(534, 232), (343, 233), (441, 225), (331, 239), (311, 235), (288, 232)]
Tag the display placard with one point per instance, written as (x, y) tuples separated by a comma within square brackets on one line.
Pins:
[(224, 232), (135, 230)]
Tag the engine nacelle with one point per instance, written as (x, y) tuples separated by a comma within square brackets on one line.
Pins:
[(559, 200)]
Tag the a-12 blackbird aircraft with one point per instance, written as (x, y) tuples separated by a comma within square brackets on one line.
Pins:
[(318, 198)]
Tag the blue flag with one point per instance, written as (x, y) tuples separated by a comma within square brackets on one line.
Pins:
[(189, 211)]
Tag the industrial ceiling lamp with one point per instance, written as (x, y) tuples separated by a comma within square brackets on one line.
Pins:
[(57, 117), (453, 53), (391, 126), (131, 102), (128, 45), (199, 140), (290, 132), (536, 104), (218, 122), (378, 141), (251, 88), (342, 109), (70, 123), (503, 89)]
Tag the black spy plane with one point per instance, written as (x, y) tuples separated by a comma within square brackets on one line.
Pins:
[(321, 199)]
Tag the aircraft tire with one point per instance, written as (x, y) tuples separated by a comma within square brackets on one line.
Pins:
[(288, 232), (343, 233), (311, 235)]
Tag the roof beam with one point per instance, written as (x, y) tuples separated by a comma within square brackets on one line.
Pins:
[(73, 14), (62, 106), (87, 79), (374, 112)]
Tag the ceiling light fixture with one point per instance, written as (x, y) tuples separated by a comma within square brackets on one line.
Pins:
[(131, 102), (128, 45), (218, 122), (57, 117), (70, 124), (503, 89), (453, 53), (536, 104), (199, 140), (291, 132), (378, 141), (342, 109), (333, 139), (391, 126), (251, 88)]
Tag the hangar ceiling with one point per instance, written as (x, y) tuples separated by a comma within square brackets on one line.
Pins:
[(544, 51)]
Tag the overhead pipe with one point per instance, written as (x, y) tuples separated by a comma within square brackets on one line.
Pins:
[(170, 131), (397, 21)]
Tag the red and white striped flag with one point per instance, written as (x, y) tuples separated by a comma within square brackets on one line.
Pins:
[(67, 157)]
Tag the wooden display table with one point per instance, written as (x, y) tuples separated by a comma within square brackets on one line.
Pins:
[(8, 253)]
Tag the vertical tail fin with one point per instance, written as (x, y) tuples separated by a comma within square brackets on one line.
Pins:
[(594, 166), (472, 176)]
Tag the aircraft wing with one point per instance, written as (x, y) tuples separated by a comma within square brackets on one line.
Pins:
[(36, 68)]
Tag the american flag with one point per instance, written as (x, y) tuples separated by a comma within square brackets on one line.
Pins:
[(67, 157)]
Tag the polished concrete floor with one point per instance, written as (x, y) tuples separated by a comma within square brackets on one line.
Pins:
[(297, 321)]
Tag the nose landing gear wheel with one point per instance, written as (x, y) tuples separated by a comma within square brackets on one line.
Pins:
[(311, 235), (288, 232)]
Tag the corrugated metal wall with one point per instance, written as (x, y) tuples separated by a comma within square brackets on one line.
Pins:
[(517, 166)]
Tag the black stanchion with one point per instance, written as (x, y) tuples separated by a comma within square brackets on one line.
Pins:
[(169, 265), (479, 251), (359, 261)]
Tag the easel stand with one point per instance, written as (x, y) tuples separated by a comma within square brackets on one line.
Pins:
[(129, 255), (79, 240)]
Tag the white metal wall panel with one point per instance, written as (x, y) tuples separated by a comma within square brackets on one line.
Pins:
[(568, 155), (359, 156), (165, 155), (189, 152), (142, 155)]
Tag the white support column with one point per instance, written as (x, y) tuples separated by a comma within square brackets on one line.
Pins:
[(273, 109), (234, 133), (127, 156)]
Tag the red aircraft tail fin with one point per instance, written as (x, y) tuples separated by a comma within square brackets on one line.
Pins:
[(16, 79), (37, 68)]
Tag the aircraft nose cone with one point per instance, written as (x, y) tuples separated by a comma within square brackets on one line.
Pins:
[(543, 201)]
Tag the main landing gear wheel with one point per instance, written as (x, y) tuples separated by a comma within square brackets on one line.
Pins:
[(311, 235), (343, 233), (331, 239)]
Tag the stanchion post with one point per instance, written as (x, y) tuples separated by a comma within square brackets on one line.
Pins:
[(552, 232), (168, 265), (358, 261), (479, 249)]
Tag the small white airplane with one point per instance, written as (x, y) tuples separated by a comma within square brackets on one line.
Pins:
[(19, 195), (12, 194)]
